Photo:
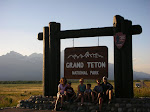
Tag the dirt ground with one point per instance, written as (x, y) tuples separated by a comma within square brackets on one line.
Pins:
[(26, 110)]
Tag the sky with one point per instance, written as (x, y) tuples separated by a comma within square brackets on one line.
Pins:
[(22, 20)]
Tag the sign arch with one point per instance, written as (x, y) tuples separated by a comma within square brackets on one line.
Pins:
[(123, 70)]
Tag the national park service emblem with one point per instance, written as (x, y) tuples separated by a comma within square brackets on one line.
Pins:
[(119, 39)]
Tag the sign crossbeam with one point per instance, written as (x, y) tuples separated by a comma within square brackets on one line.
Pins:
[(91, 32)]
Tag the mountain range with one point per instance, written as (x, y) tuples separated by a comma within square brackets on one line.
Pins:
[(14, 66)]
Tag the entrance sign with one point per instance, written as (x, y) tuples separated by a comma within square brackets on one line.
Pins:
[(119, 39), (86, 62), (123, 69)]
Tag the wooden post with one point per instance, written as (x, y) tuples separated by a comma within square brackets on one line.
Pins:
[(46, 61), (54, 56), (117, 59), (127, 68), (123, 72)]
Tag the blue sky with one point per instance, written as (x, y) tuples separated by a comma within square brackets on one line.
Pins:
[(22, 20)]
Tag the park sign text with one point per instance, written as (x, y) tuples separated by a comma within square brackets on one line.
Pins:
[(86, 62)]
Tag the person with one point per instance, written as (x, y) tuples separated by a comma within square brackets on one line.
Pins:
[(107, 90), (69, 92), (98, 93), (88, 92), (60, 95), (81, 89)]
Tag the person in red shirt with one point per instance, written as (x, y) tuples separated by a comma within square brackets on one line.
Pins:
[(69, 92)]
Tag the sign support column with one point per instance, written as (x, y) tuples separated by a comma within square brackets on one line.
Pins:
[(117, 58), (54, 56), (123, 70), (127, 68), (46, 72)]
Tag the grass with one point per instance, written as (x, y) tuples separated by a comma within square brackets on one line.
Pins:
[(10, 94), (142, 92)]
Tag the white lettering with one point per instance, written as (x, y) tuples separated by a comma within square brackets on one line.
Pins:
[(79, 73), (74, 65), (96, 64), (94, 72), (103, 64)]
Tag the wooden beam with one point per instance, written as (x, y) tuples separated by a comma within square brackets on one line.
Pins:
[(136, 29), (40, 36), (91, 32)]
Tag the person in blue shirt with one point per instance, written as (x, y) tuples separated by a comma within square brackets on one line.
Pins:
[(107, 90), (88, 92), (98, 93), (81, 89)]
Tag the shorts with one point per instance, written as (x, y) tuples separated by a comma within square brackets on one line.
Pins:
[(60, 94), (82, 94), (105, 97), (97, 94), (70, 95)]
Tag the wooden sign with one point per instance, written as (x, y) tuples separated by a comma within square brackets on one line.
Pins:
[(86, 62), (119, 39)]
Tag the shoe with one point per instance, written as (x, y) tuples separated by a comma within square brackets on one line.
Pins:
[(70, 101), (66, 101), (55, 109), (95, 102), (109, 102), (60, 108)]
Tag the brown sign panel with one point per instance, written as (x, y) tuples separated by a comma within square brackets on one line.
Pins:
[(86, 62)]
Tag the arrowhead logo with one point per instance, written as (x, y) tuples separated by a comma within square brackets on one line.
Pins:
[(119, 39)]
